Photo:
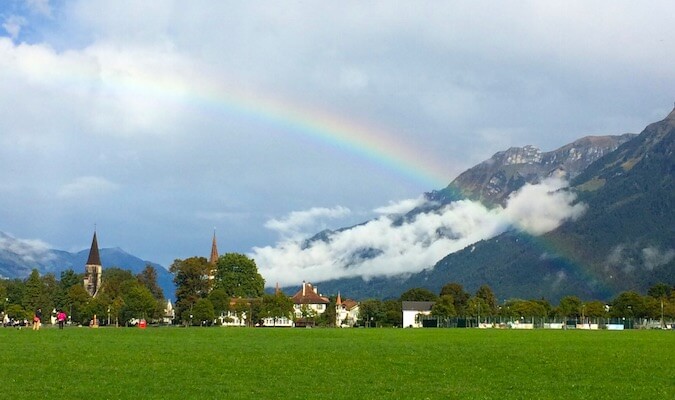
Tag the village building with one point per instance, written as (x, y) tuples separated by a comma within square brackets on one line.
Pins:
[(93, 269), (414, 312), (308, 304), (346, 312)]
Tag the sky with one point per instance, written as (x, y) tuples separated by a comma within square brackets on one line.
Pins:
[(158, 122)]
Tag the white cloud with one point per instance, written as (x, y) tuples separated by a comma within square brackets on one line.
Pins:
[(29, 250), (401, 207), (299, 223), (382, 247), (86, 186), (541, 208), (41, 7), (653, 257), (13, 25)]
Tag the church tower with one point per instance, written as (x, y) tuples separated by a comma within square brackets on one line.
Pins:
[(93, 269), (214, 250), (213, 260)]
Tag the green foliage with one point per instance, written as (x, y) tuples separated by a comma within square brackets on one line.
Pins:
[(276, 306), (418, 294), (488, 297), (238, 276), (220, 301), (570, 307), (459, 295), (192, 283), (148, 278), (444, 307), (203, 313)]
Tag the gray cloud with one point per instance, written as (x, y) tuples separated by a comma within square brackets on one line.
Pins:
[(166, 99)]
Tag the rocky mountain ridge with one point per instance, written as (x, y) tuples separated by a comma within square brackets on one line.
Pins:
[(493, 180)]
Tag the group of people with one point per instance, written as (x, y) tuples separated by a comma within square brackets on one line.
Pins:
[(37, 319)]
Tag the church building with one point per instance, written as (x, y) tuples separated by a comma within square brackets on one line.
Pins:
[(93, 270)]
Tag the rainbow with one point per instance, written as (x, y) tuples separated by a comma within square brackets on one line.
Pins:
[(356, 138)]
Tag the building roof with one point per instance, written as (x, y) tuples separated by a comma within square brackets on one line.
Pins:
[(418, 305), (349, 304), (214, 250), (308, 294), (94, 257)]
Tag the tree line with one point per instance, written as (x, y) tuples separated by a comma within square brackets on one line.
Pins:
[(455, 302), (122, 296), (233, 286)]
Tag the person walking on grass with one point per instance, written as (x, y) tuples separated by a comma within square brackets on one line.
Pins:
[(37, 319), (61, 318)]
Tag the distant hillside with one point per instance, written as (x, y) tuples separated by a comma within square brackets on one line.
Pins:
[(19, 257), (624, 241)]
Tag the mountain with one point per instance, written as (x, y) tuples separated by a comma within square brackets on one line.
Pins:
[(625, 240), (492, 181), (19, 257)]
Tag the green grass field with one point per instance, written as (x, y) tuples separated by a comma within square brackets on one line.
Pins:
[(222, 363)]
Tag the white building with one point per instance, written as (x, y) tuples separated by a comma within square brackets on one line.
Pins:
[(414, 311), (308, 303), (346, 312)]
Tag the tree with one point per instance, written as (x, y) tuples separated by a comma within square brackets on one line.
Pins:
[(220, 301), (68, 279), (486, 294), (77, 300), (148, 278), (202, 313), (594, 309), (277, 306), (139, 303), (238, 276), (32, 296), (372, 312), (192, 283), (569, 307), (627, 305), (418, 294), (477, 307), (444, 307), (459, 296), (660, 291)]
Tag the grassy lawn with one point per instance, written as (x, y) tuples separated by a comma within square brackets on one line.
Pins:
[(227, 363)]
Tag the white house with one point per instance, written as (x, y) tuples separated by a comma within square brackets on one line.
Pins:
[(413, 311), (346, 312), (308, 303)]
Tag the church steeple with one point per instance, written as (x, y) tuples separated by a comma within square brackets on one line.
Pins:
[(94, 257), (214, 250), (93, 269)]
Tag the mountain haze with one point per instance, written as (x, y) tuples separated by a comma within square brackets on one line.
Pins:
[(19, 257)]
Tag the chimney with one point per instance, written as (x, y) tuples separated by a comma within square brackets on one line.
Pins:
[(303, 288)]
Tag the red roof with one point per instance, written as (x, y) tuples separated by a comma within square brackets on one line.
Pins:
[(308, 295)]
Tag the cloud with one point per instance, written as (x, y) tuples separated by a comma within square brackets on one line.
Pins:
[(386, 246), (401, 207), (41, 7), (538, 209), (298, 223), (13, 25), (29, 250), (653, 257), (86, 186)]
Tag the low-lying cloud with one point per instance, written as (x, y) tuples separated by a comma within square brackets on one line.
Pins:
[(390, 245), (28, 250)]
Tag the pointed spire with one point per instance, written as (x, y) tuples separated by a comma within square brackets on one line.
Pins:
[(339, 300), (277, 290), (214, 250), (94, 257)]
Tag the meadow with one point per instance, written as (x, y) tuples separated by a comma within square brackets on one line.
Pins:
[(245, 363)]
